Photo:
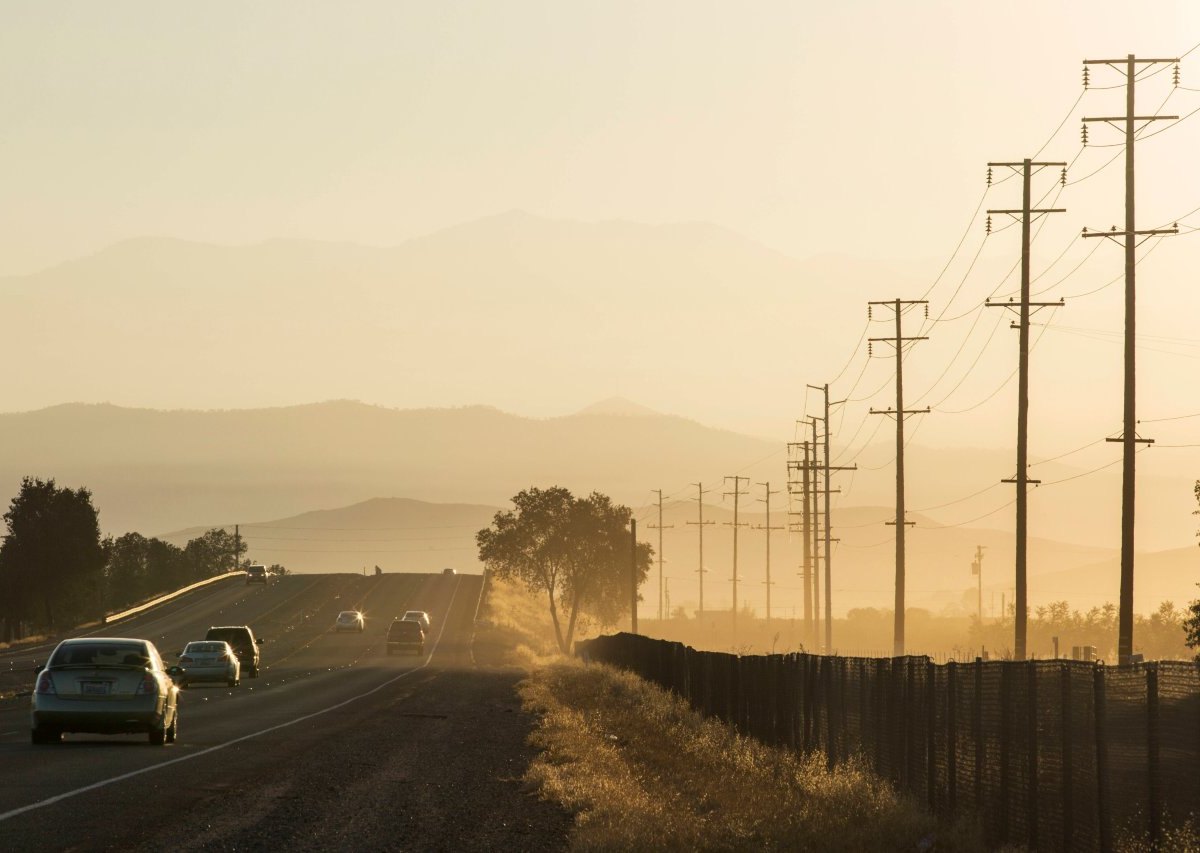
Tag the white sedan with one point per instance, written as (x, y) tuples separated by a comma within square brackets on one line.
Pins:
[(209, 660), (350, 620)]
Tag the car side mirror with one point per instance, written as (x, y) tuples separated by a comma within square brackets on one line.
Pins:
[(174, 672), (37, 669), (179, 654), (260, 641)]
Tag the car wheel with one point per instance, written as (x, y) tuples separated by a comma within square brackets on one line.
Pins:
[(158, 736), (233, 682), (254, 672), (173, 732), (45, 736)]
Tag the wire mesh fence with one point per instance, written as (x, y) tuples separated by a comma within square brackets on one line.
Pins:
[(1052, 754)]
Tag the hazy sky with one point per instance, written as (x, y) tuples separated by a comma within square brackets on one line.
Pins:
[(857, 127), (860, 128)]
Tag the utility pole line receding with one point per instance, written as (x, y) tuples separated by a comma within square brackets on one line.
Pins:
[(737, 493), (701, 492), (1129, 437), (805, 511), (828, 470), (899, 413), (659, 527), (633, 575), (766, 499), (977, 570), (1026, 168)]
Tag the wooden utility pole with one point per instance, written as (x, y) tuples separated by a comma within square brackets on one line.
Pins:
[(977, 570), (766, 499), (1129, 437), (633, 575), (237, 546), (828, 468), (659, 527), (701, 570), (737, 493), (814, 530), (1026, 215), (899, 413), (803, 465)]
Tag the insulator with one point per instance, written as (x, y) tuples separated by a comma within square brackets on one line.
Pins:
[(989, 183), (1063, 179), (1085, 134), (1176, 73), (1085, 76), (870, 349), (988, 229), (869, 317), (926, 310)]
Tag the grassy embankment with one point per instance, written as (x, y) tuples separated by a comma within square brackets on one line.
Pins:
[(643, 772)]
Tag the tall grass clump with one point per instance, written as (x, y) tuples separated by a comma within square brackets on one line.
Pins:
[(642, 771)]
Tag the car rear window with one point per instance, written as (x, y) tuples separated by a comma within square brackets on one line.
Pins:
[(233, 636), (195, 648), (101, 654)]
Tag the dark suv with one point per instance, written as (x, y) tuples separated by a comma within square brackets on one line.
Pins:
[(405, 634), (256, 574), (241, 638)]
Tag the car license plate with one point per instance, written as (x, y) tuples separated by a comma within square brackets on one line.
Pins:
[(95, 688)]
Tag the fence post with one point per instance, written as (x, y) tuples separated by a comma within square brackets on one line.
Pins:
[(952, 737), (1152, 744), (831, 725), (844, 735), (931, 732), (1068, 804), (977, 732), (878, 696), (910, 725), (1098, 706), (1005, 744), (1032, 723)]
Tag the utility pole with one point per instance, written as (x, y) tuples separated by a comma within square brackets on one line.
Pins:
[(700, 498), (237, 546), (737, 493), (828, 469), (633, 575), (977, 570), (1026, 168), (659, 527), (814, 529), (1129, 437), (766, 499), (899, 413), (805, 509)]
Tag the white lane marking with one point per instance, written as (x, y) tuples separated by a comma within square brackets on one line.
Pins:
[(106, 782), (6, 734)]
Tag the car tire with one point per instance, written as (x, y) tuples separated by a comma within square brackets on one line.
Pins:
[(45, 736), (254, 672), (158, 736), (173, 732), (233, 682)]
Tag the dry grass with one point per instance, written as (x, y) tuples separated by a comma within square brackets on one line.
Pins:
[(644, 772)]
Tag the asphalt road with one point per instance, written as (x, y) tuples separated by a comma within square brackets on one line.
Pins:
[(335, 746)]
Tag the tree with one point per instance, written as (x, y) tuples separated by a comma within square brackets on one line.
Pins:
[(52, 561), (575, 551), (1191, 624), (214, 552)]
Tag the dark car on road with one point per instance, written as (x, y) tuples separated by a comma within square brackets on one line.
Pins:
[(256, 574), (241, 638), (406, 635)]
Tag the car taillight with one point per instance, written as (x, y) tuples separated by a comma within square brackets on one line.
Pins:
[(185, 659), (45, 685), (148, 685)]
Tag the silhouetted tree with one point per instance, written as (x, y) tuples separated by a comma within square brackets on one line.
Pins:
[(575, 551), (214, 552), (52, 562)]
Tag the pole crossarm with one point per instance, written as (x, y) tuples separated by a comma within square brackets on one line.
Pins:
[(1152, 232)]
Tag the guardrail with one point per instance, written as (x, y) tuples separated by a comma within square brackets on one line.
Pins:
[(170, 596)]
